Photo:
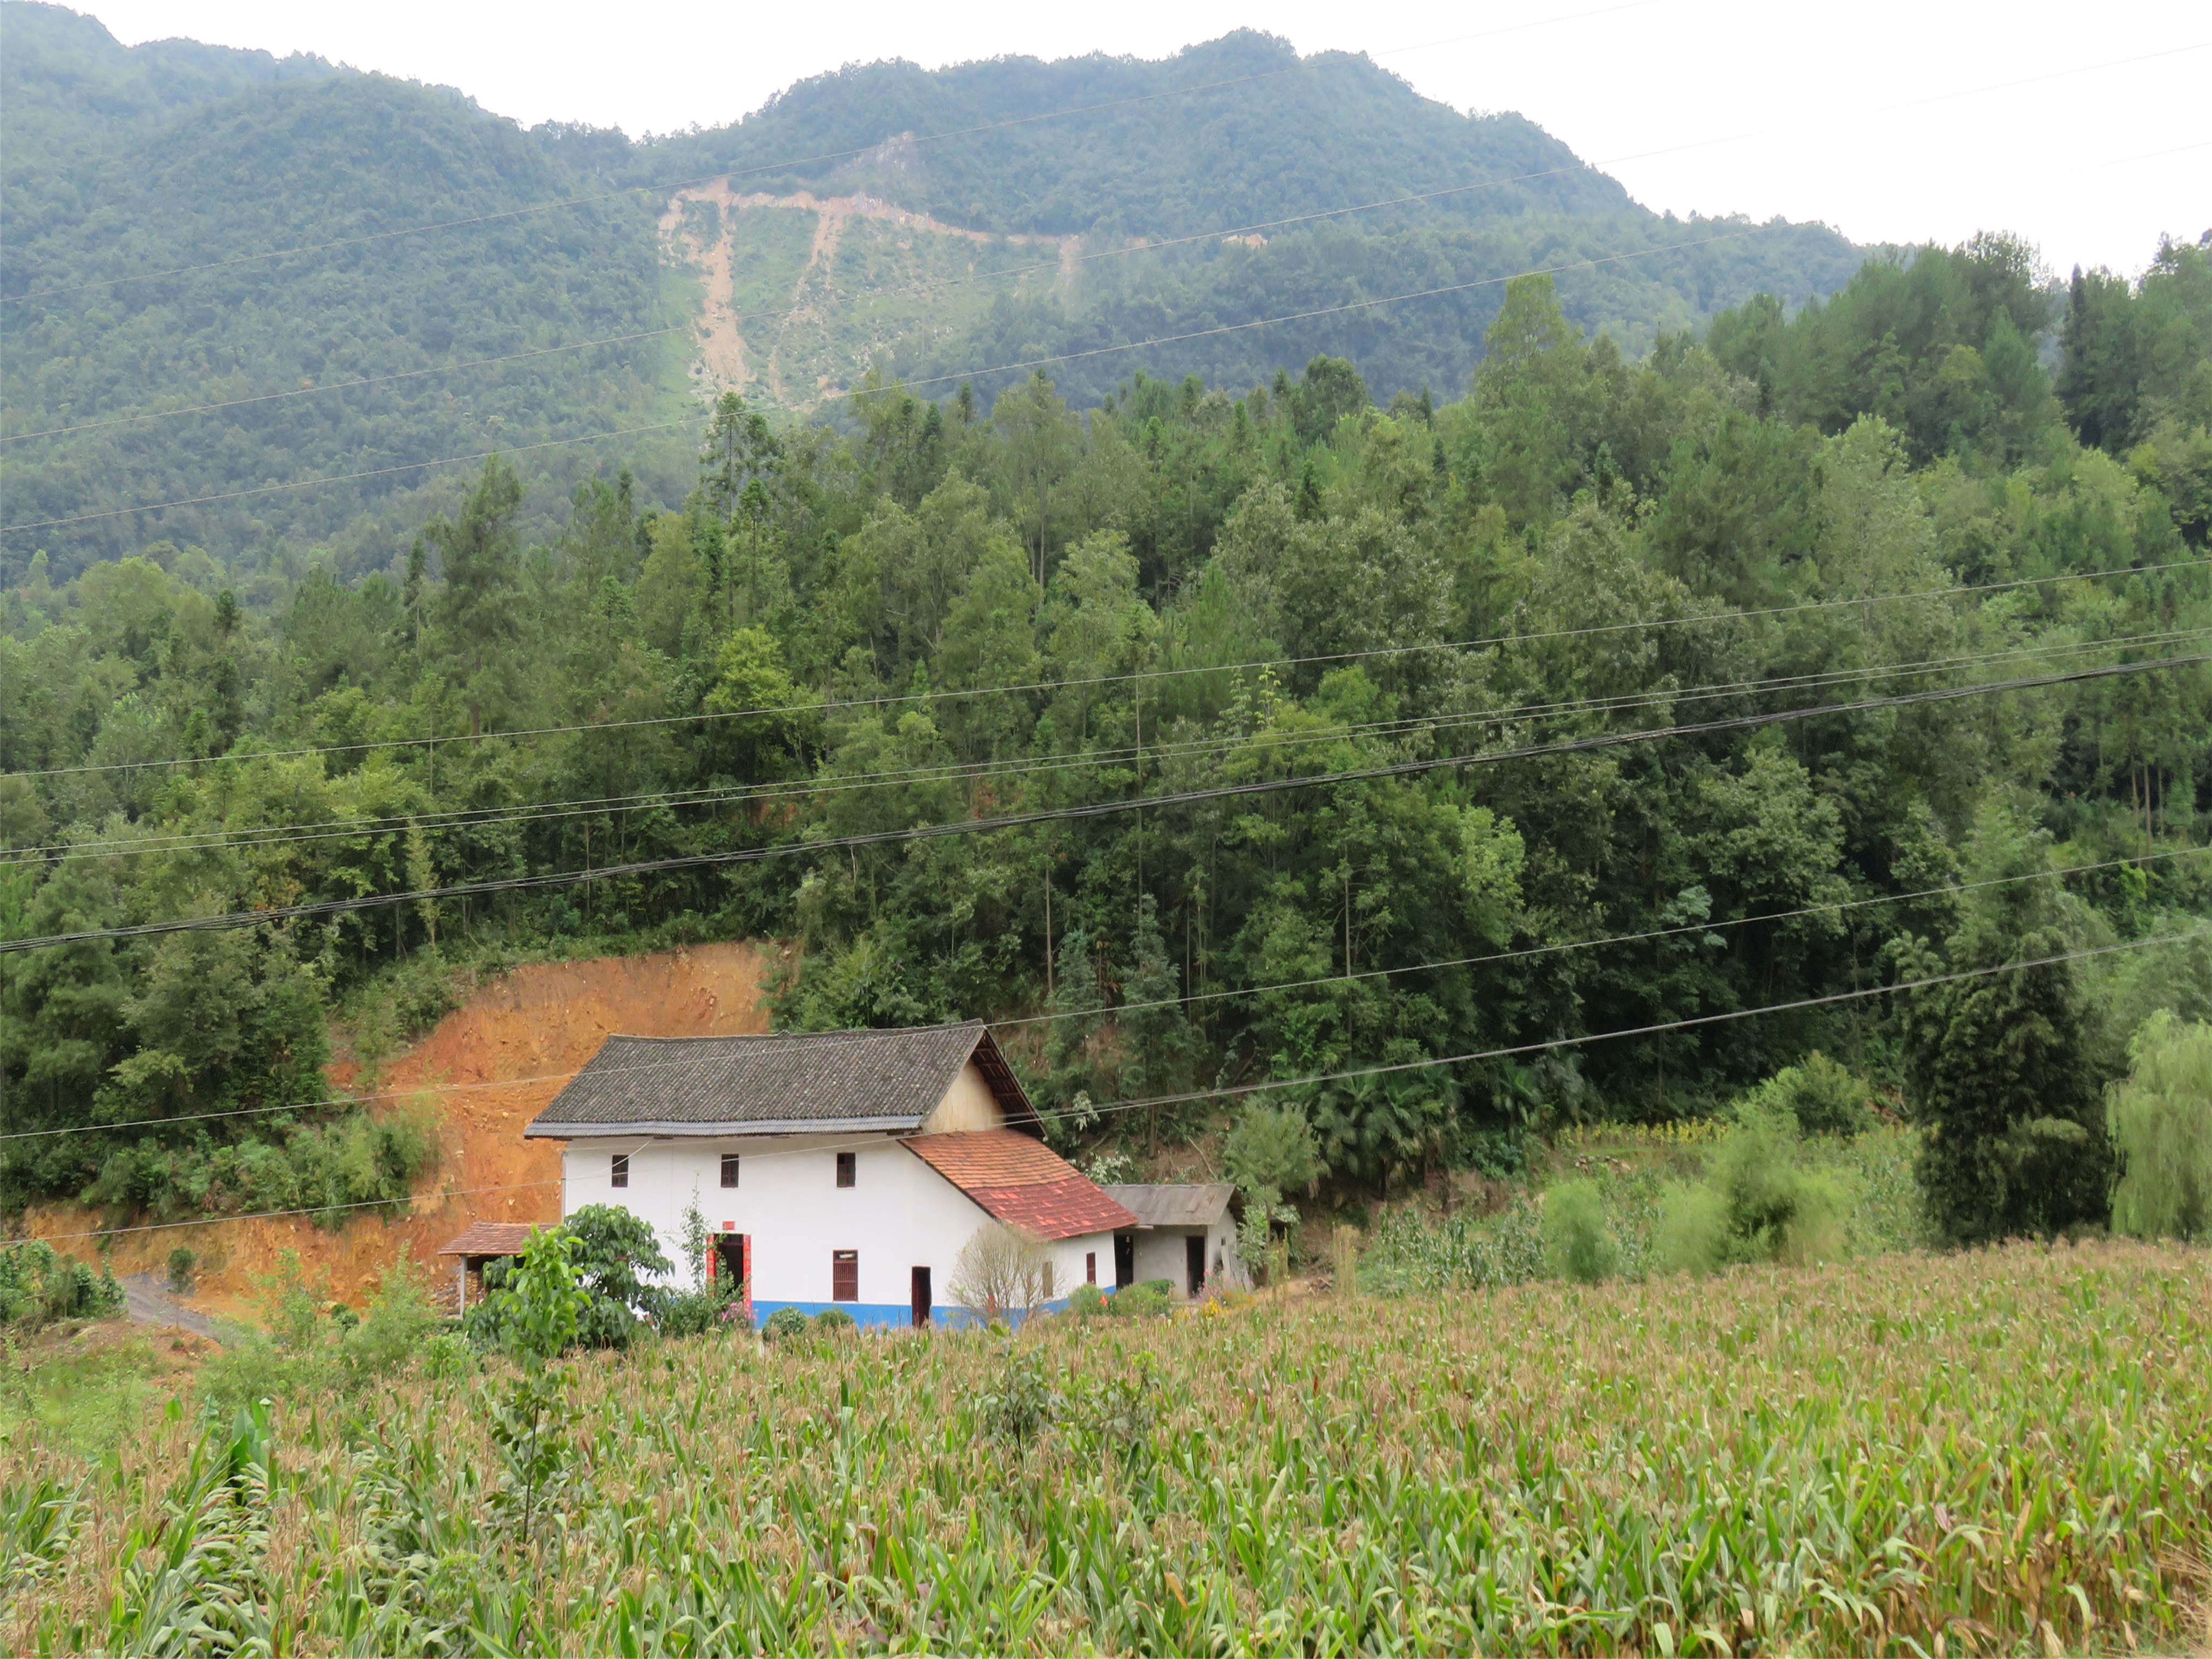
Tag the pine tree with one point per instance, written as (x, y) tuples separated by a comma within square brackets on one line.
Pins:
[(2000, 1069), (1155, 1031)]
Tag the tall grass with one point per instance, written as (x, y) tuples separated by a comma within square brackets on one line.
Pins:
[(2005, 1451)]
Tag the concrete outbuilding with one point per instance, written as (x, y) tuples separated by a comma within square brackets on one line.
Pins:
[(1184, 1234)]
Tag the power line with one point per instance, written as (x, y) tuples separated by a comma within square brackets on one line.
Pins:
[(964, 772), (1237, 1091), (892, 700), (958, 772), (664, 186), (1098, 809), (1108, 1015), (1240, 1089)]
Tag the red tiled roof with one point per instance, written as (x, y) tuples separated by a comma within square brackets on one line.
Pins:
[(494, 1238), (1021, 1182), (1058, 1209)]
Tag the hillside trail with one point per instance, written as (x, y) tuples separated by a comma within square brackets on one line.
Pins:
[(508, 1048)]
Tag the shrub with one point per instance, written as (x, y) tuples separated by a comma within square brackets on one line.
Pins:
[(1022, 1405), (615, 1249), (1758, 1204), (1136, 1301), (1693, 1235), (1577, 1244), (1755, 1172), (784, 1324), (1825, 1098), (1086, 1300), (447, 1356), (1002, 1274), (835, 1322), (39, 1285), (401, 1317), (715, 1306), (181, 1263), (2162, 1117)]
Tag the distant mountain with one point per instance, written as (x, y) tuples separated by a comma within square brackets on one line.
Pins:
[(832, 230)]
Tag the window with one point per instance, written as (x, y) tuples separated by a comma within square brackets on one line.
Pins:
[(1091, 1266), (729, 1169), (620, 1176), (844, 1275), (847, 1164)]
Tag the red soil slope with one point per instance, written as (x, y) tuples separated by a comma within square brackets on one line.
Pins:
[(487, 1069)]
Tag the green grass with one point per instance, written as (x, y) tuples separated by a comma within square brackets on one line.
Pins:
[(2009, 1451), (1413, 1251), (83, 1389)]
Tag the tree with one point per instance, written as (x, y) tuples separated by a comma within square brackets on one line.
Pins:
[(1043, 442), (1154, 1029), (1002, 1273), (2000, 1069), (1330, 389), (2162, 1117), (478, 612)]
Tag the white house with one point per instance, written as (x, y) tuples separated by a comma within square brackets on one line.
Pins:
[(836, 1169), (1184, 1235)]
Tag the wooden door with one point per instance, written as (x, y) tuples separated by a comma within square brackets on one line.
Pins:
[(921, 1298)]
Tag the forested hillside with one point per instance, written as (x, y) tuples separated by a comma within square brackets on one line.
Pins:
[(1001, 709), (142, 186)]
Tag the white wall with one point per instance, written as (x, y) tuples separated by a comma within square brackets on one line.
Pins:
[(899, 1214), (1161, 1254)]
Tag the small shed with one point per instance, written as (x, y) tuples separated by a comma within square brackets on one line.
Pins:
[(1184, 1234), (484, 1242)]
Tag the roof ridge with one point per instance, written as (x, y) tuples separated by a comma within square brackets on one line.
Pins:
[(760, 1037)]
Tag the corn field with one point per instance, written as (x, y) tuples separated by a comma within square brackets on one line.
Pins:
[(2003, 1452)]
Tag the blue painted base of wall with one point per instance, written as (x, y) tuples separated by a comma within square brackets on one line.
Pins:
[(881, 1315)]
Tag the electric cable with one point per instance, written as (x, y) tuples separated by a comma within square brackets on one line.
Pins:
[(971, 772), (1092, 810), (1108, 1015), (1239, 1090), (890, 699)]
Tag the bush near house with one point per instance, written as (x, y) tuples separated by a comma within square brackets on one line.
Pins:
[(39, 1285)]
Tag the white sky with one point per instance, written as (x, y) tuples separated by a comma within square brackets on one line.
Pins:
[(1891, 121)]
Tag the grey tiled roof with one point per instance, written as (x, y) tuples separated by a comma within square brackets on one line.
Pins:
[(782, 1083), (1174, 1205)]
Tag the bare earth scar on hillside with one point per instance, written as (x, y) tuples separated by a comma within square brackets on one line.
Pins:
[(494, 1063)]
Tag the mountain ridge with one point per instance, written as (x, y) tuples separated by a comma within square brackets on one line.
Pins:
[(125, 161)]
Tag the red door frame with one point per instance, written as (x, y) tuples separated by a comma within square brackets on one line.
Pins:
[(745, 1261)]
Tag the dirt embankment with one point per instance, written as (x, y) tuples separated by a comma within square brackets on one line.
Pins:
[(486, 1070)]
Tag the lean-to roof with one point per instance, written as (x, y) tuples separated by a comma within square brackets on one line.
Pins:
[(1175, 1204), (1021, 1182)]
